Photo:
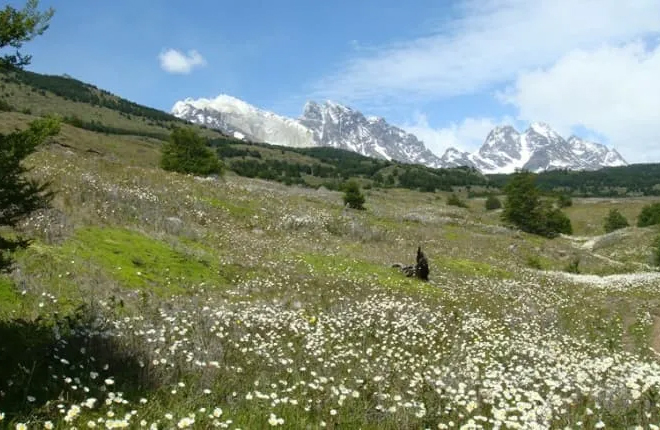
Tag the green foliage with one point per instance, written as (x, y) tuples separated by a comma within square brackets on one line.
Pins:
[(493, 203), (187, 152), (99, 127), (614, 221), (353, 197), (573, 266), (635, 179), (534, 262), (556, 222), (5, 106), (20, 196), (564, 201), (650, 215), (525, 209), (454, 200), (18, 27)]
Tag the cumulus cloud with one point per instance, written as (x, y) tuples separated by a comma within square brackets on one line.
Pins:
[(173, 61), (490, 43), (613, 91), (565, 62), (466, 135)]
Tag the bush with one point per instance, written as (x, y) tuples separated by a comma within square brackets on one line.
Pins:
[(5, 106), (614, 221), (353, 197), (656, 251), (187, 152), (564, 201), (493, 203), (573, 266), (454, 200), (534, 262), (650, 215)]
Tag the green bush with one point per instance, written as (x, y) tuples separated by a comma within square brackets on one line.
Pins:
[(353, 197), (454, 200), (656, 251), (573, 266), (534, 262), (614, 221), (650, 215), (493, 203), (187, 152), (564, 201)]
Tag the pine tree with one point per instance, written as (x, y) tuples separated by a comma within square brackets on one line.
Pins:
[(187, 152), (20, 196), (614, 221), (353, 197), (18, 27)]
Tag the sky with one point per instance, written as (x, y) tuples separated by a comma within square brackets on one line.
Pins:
[(447, 71)]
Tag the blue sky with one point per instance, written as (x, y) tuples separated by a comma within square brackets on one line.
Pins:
[(448, 71)]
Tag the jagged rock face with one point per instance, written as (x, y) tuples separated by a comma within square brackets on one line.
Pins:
[(331, 124), (539, 148), (327, 124), (342, 127), (232, 115)]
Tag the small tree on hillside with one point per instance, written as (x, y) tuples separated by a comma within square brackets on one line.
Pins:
[(525, 209), (454, 200), (353, 197), (493, 203), (650, 215), (614, 221), (18, 27), (656, 251), (187, 152), (20, 196)]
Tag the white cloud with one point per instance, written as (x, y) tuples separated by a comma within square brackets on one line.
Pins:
[(490, 43), (173, 61), (467, 135), (613, 91)]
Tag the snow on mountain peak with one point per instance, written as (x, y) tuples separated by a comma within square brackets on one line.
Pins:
[(339, 126)]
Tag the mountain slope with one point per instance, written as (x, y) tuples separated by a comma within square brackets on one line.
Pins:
[(328, 124), (539, 148)]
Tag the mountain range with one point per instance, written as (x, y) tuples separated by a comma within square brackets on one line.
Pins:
[(331, 124)]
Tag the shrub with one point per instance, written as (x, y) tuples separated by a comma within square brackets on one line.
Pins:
[(454, 200), (573, 266), (5, 106), (187, 152), (614, 221), (564, 201), (493, 203), (656, 251), (650, 215), (534, 262), (525, 210), (353, 197)]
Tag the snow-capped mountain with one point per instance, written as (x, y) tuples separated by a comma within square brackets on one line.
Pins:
[(327, 124), (539, 148), (232, 116), (331, 124)]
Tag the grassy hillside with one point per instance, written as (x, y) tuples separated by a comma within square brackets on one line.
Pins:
[(151, 299)]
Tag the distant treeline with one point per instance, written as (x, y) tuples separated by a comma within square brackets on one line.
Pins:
[(75, 90), (99, 127), (635, 179), (331, 167)]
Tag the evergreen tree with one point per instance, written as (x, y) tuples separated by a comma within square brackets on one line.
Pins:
[(650, 215), (614, 221), (353, 197), (19, 196), (187, 152), (18, 27), (525, 209)]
